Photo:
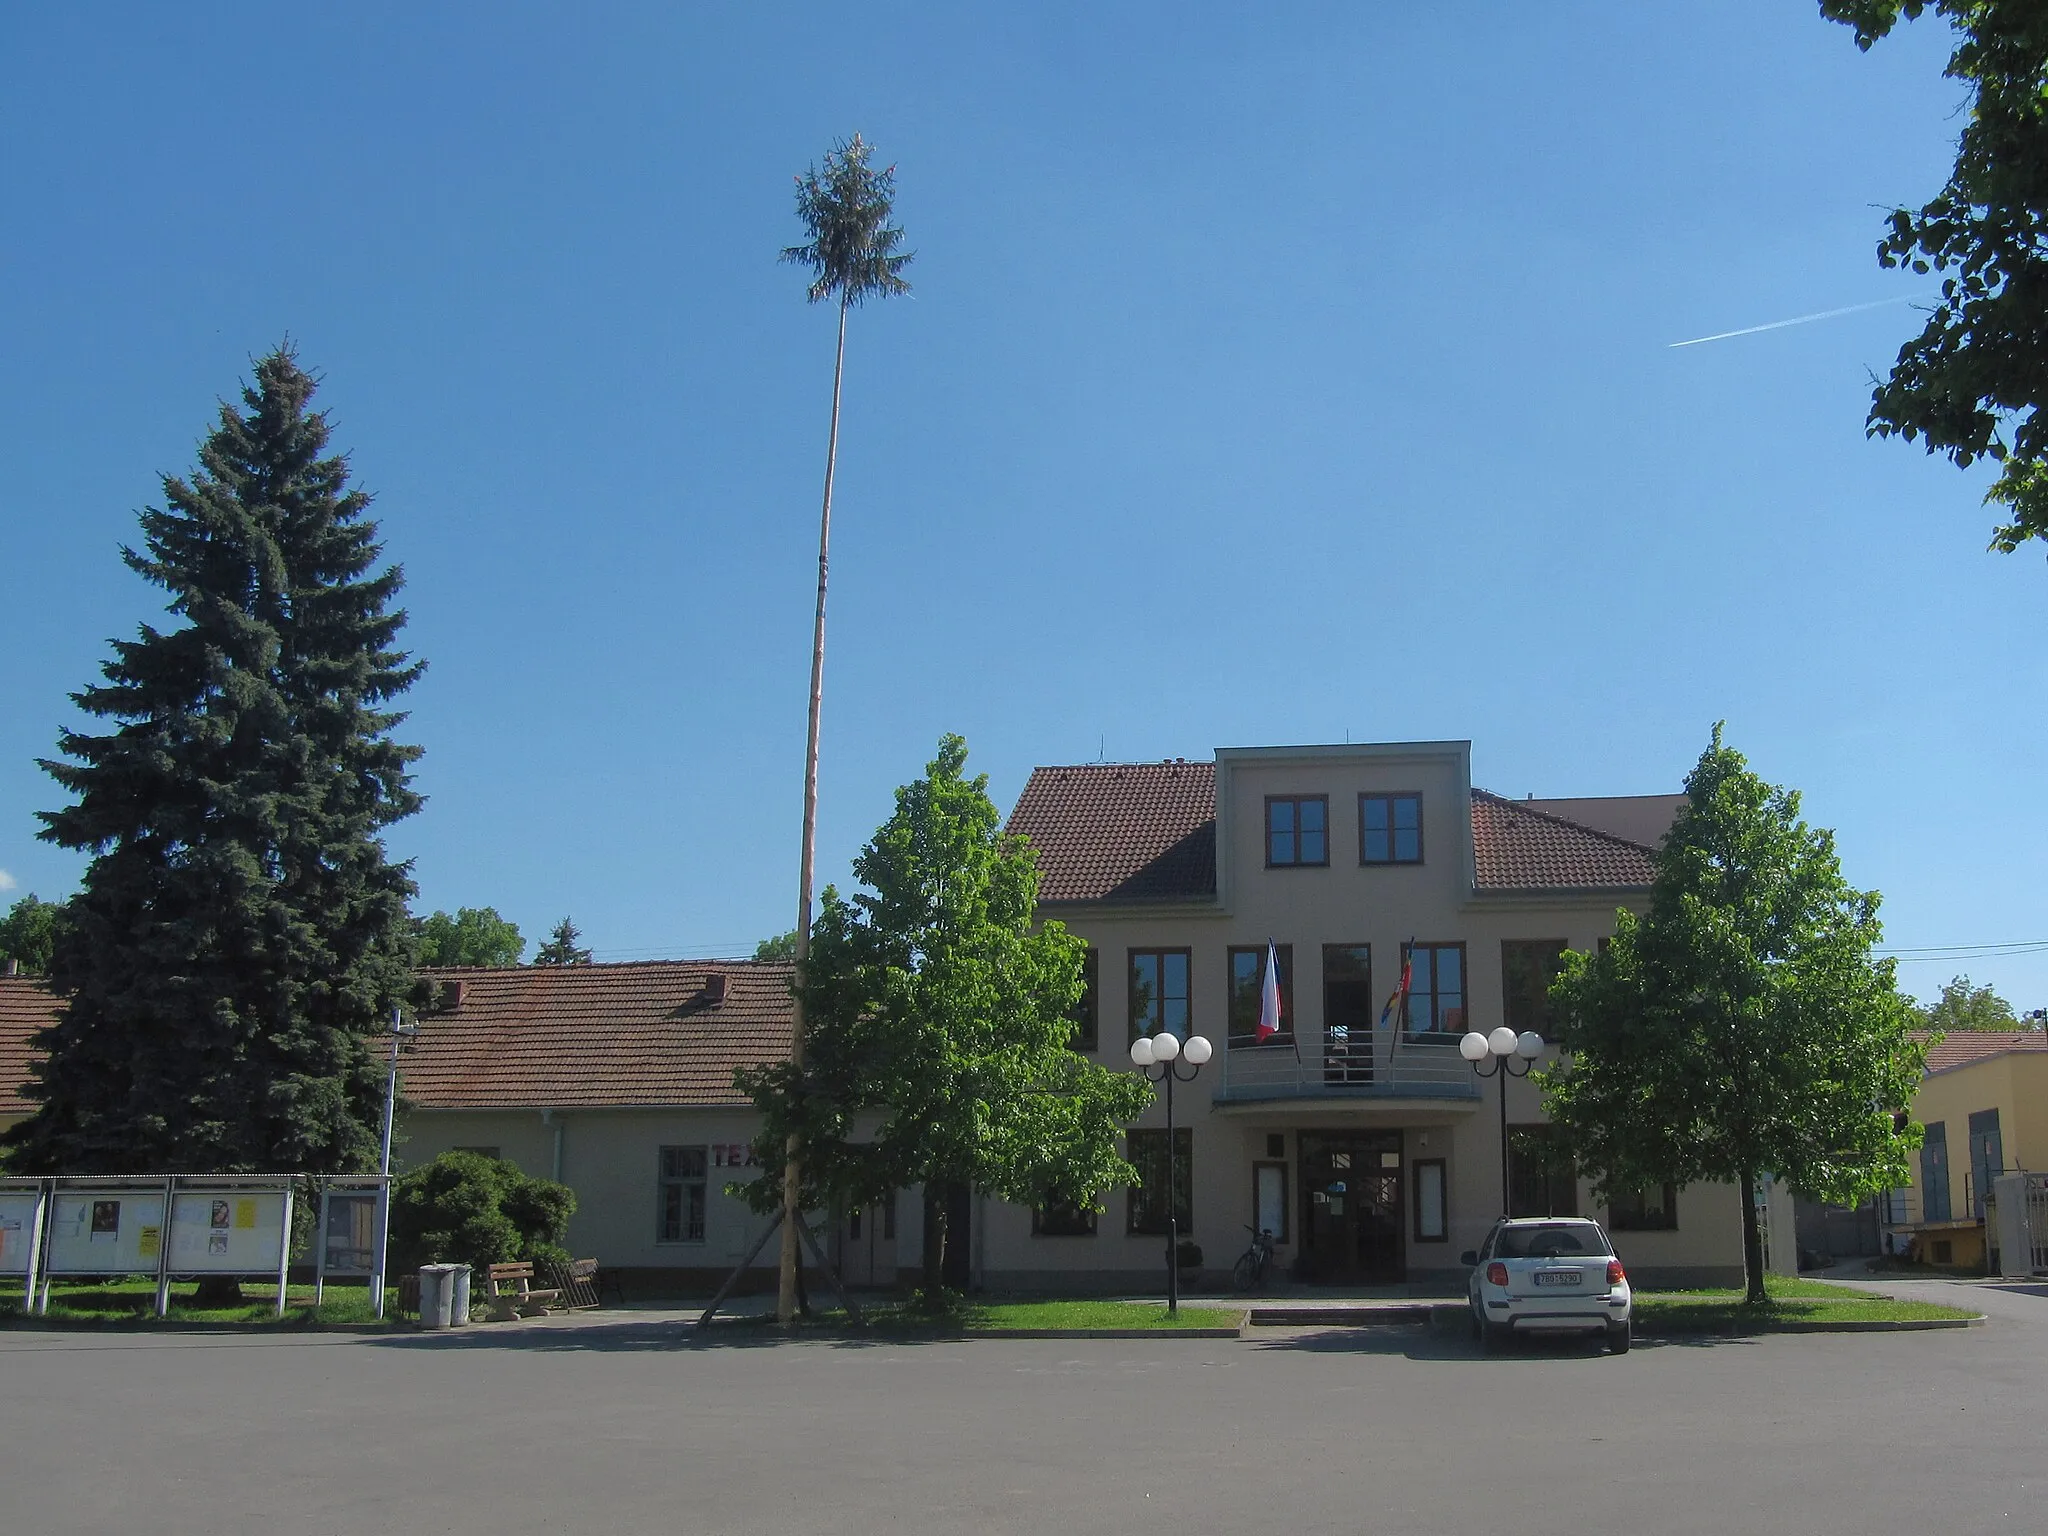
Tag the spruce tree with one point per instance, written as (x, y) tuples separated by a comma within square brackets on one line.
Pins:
[(240, 930)]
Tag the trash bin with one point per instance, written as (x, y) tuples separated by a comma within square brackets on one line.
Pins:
[(437, 1293), (458, 1297)]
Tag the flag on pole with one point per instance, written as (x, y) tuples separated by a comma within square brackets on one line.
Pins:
[(1395, 1014), (1269, 998)]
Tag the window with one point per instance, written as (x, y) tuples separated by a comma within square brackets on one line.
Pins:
[(1159, 992), (1436, 989), (1644, 1210), (1430, 1223), (682, 1195), (1390, 829), (1062, 1218), (1297, 830), (1541, 1181), (1527, 968), (1347, 1013), (1269, 1199), (1247, 990), (1087, 1009), (1146, 1212)]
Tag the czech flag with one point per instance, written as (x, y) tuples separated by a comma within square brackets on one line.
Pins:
[(1269, 998), (1397, 1004)]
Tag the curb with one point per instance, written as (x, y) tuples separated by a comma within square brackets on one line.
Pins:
[(174, 1325), (1817, 1325)]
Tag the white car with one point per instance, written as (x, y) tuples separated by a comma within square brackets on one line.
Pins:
[(1548, 1274)]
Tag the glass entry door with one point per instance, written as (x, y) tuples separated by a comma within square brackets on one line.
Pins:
[(1351, 1207)]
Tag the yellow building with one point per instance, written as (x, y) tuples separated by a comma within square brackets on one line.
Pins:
[(1984, 1102)]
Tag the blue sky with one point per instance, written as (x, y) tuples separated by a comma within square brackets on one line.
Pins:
[(1270, 378)]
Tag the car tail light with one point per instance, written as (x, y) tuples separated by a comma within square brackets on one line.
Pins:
[(1615, 1273), (1497, 1274)]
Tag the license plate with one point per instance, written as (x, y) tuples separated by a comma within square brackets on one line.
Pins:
[(1558, 1277)]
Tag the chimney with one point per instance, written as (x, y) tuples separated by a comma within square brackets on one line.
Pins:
[(452, 992), (714, 988), (13, 966)]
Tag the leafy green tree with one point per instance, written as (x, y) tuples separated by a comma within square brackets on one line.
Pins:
[(465, 1208), (1742, 1026), (563, 947), (781, 947), (472, 936), (854, 254), (239, 931), (1973, 381), (1962, 1006), (941, 1017), (28, 934)]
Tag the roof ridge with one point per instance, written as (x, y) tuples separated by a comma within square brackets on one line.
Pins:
[(601, 965), (1525, 809)]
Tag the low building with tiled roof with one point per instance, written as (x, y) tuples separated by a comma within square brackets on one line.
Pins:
[(26, 1007), (1984, 1106), (1357, 1133)]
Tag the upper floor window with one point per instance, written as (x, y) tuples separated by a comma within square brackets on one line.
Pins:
[(1297, 830), (1527, 968), (1087, 1009), (1248, 993), (1390, 829), (1159, 992), (1436, 988)]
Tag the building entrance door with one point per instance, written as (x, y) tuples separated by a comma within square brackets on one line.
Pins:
[(1351, 1207), (868, 1245)]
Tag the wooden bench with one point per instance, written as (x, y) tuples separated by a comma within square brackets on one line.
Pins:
[(512, 1293)]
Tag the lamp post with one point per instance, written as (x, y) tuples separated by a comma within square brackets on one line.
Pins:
[(1155, 1056), (1497, 1055), (400, 1032)]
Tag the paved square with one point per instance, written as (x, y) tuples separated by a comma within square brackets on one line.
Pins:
[(627, 1429)]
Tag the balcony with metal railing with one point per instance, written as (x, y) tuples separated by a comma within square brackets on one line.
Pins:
[(1380, 1064)]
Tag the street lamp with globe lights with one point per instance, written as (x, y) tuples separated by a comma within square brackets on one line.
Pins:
[(1502, 1054), (1159, 1057)]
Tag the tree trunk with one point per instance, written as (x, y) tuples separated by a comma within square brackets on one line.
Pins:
[(792, 1174), (1752, 1245), (934, 1237)]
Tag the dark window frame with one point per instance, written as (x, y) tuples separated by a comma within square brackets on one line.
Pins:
[(1389, 799), (1443, 1167), (1295, 833), (1140, 1147), (1087, 1010), (1349, 1058), (1246, 1039), (1435, 1029), (1522, 1008), (683, 1183), (1131, 956), (1621, 1218), (1062, 1218)]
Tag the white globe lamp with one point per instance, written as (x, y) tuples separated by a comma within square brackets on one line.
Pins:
[(1141, 1052), (1473, 1047), (1197, 1050), (1502, 1041)]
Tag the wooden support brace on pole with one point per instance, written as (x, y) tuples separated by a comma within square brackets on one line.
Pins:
[(740, 1269), (831, 1274)]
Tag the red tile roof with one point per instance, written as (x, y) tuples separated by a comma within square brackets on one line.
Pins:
[(1966, 1047), (1121, 831), (1135, 832), (1516, 847), (587, 1036), (575, 1036), (25, 1007)]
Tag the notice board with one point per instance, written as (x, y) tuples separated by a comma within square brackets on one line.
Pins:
[(227, 1232), (17, 1230), (108, 1231)]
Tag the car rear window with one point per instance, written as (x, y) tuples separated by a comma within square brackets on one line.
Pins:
[(1564, 1239)]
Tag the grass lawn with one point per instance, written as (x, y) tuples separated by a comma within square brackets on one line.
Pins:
[(1792, 1301), (130, 1301)]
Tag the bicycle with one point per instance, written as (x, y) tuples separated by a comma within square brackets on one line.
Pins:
[(1250, 1273)]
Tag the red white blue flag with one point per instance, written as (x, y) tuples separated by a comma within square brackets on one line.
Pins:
[(1269, 997), (1397, 1004)]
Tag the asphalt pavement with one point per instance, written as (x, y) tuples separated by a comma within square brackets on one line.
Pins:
[(631, 1426)]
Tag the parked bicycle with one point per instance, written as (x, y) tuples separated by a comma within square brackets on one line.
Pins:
[(1250, 1273)]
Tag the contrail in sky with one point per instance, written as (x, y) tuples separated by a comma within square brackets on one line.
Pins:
[(1779, 325)]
